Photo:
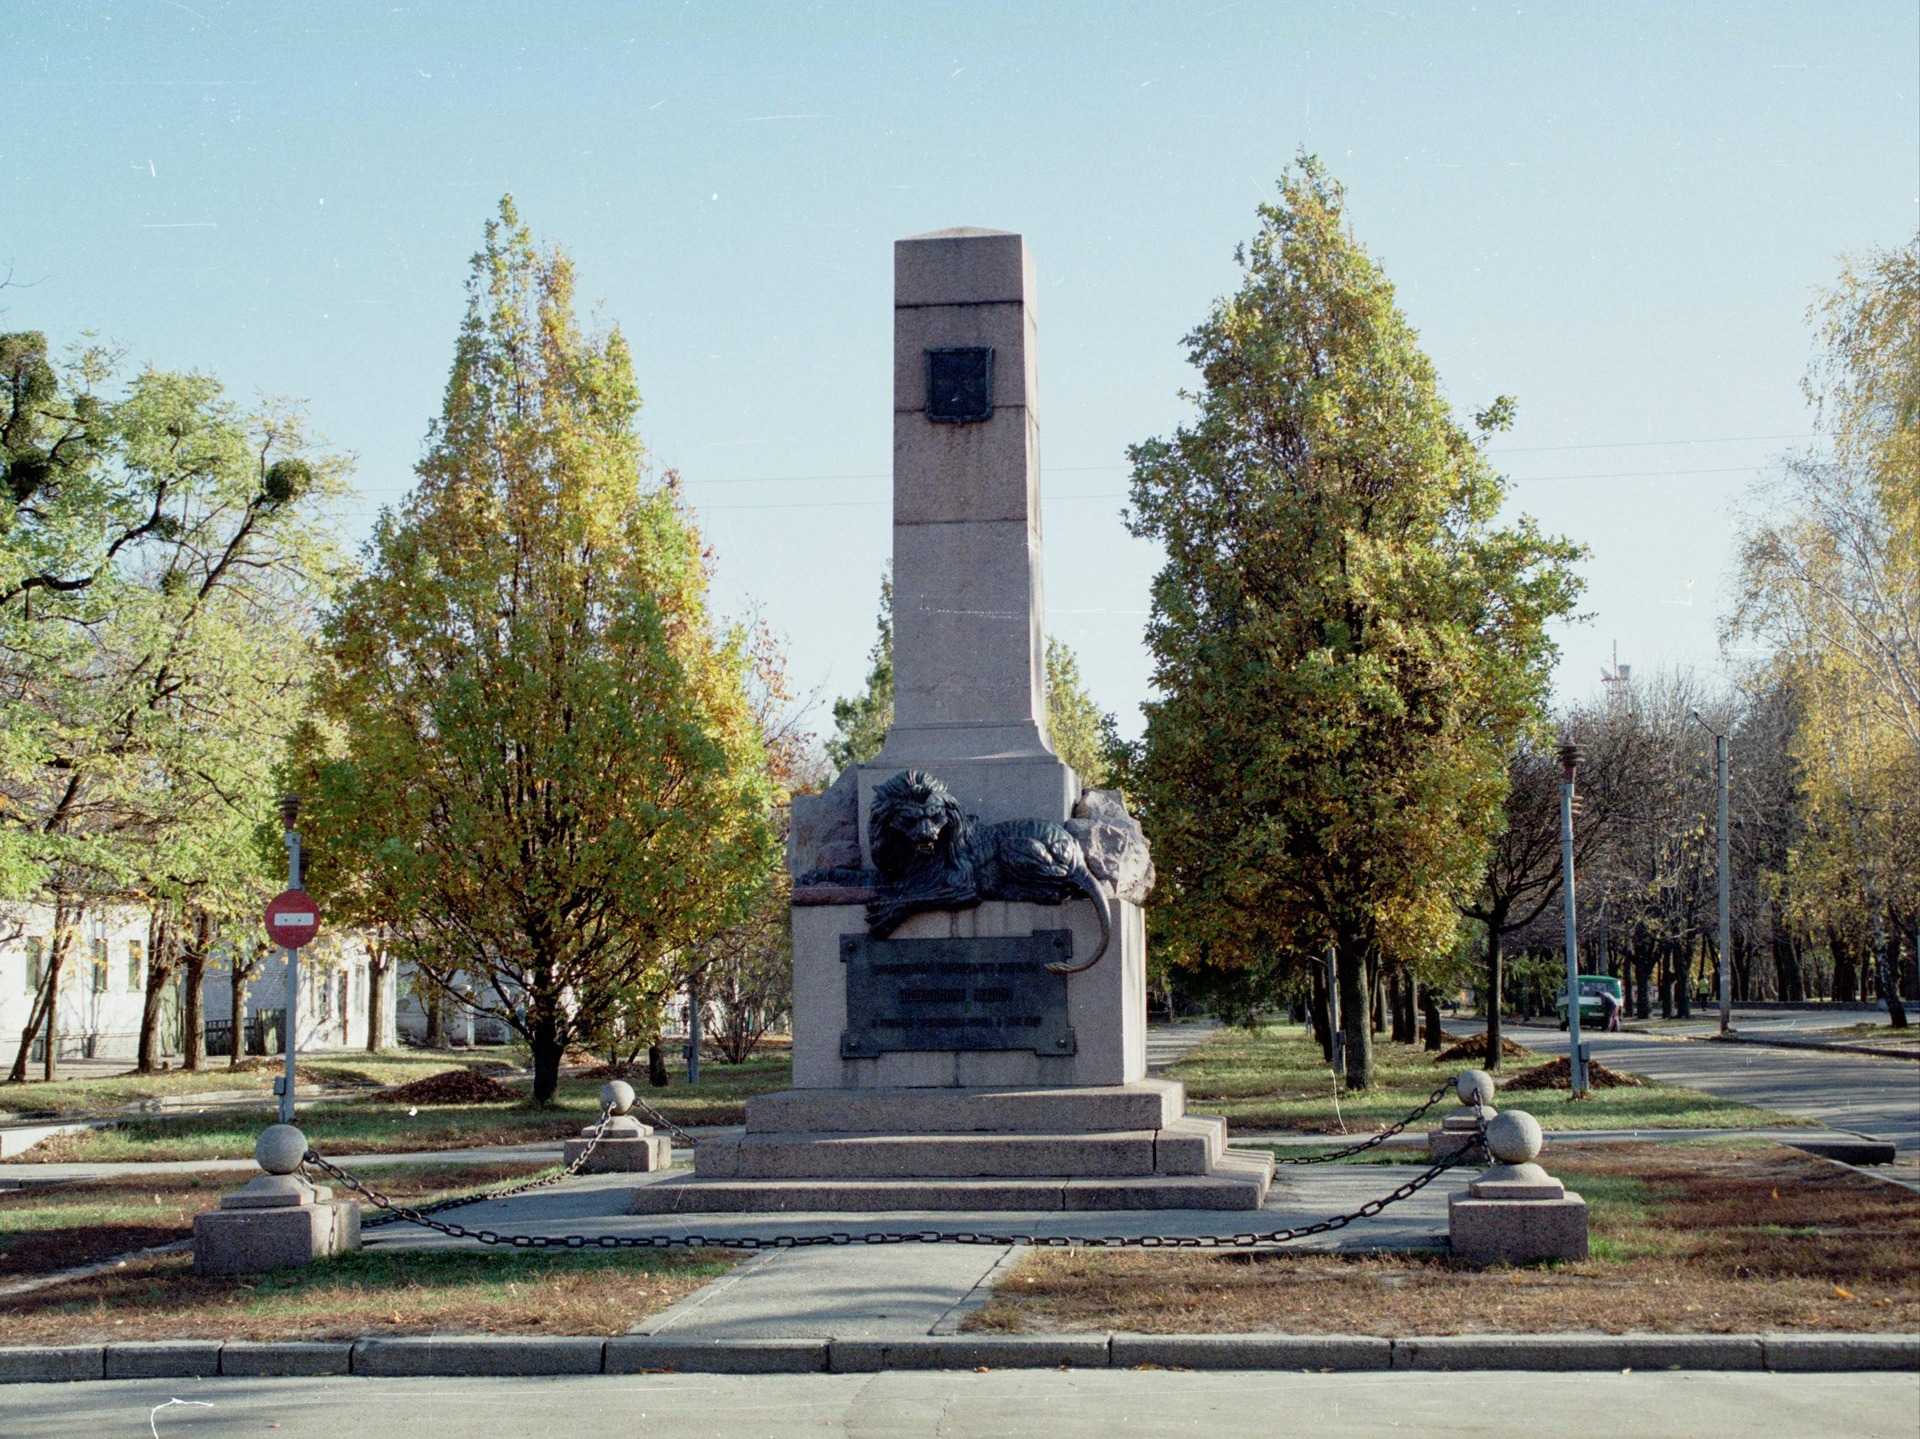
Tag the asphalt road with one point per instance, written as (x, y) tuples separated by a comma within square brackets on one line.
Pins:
[(1854, 1092), (1002, 1404)]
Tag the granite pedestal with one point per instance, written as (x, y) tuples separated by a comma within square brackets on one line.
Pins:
[(278, 1220), (1515, 1212)]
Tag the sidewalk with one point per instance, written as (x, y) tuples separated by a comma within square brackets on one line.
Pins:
[(901, 1290)]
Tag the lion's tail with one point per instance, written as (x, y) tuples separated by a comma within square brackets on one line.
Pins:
[(1083, 877)]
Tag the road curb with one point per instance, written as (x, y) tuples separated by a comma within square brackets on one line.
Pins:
[(467, 1356), (1876, 1051)]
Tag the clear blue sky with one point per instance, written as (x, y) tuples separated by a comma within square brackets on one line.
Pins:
[(1617, 213)]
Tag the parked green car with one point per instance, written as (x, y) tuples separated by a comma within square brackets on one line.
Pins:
[(1592, 1007)]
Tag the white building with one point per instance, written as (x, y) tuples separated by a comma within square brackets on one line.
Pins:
[(104, 981)]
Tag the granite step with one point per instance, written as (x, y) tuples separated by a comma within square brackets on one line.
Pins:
[(1144, 1104), (1123, 1153), (1234, 1186), (1191, 1145)]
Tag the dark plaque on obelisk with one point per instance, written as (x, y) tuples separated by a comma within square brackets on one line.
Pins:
[(960, 385), (939, 994)]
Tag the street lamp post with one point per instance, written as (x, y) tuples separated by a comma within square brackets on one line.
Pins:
[(1576, 1054), (1726, 878), (290, 1019)]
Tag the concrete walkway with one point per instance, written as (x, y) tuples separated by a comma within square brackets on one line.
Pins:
[(999, 1404), (860, 1290), (1170, 1043)]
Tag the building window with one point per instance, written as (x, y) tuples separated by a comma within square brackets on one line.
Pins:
[(36, 962), (135, 954), (99, 966)]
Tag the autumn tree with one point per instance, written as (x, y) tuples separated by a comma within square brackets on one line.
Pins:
[(1346, 646), (162, 554), (547, 762), (1830, 581)]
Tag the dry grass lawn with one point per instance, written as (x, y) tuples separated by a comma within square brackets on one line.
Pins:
[(45, 1229), (373, 1292), (1710, 1238)]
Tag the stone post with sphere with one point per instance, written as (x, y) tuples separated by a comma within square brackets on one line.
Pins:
[(1459, 1132), (278, 1219), (1515, 1212), (624, 1145)]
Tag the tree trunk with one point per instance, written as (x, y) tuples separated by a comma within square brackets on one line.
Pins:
[(66, 922), (1495, 979), (159, 972), (1889, 985), (1689, 966), (435, 1037), (1430, 1008), (1376, 995), (657, 1075), (547, 1049), (1355, 1015), (238, 978), (1846, 980), (379, 964), (35, 1018), (1317, 1014), (193, 1008)]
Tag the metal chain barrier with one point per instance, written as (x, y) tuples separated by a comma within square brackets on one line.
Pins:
[(393, 1214), (1243, 1240), (1381, 1138), (665, 1123)]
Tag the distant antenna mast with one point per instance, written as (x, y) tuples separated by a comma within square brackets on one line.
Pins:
[(1619, 679)]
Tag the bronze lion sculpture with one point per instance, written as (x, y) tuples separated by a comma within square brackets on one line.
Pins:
[(932, 855)]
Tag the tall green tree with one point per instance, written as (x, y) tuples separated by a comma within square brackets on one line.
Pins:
[(1346, 646), (1083, 734), (162, 555), (547, 769)]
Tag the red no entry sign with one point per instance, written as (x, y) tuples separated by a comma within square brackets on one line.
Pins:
[(292, 919)]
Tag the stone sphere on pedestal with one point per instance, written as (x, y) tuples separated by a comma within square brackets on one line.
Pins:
[(1514, 1137), (280, 1149), (617, 1095), (1474, 1086)]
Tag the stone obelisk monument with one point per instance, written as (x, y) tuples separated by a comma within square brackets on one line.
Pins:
[(969, 949), (969, 645)]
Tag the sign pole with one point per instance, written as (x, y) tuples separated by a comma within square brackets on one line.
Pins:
[(290, 1021), (1576, 1056)]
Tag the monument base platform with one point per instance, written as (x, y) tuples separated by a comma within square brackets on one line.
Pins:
[(1238, 1182), (1129, 1146)]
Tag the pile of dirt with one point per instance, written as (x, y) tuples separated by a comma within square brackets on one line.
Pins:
[(1475, 1047), (604, 1072), (1554, 1075), (264, 1064), (452, 1086)]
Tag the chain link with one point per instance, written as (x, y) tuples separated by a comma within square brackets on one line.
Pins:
[(1381, 1138), (393, 1213), (1244, 1240), (665, 1123)]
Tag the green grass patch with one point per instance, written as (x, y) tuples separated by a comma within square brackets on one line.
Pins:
[(96, 1094), (362, 1126), (1274, 1077)]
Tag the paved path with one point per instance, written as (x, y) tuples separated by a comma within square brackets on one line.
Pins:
[(1170, 1043), (1856, 1093), (1001, 1404), (861, 1291)]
